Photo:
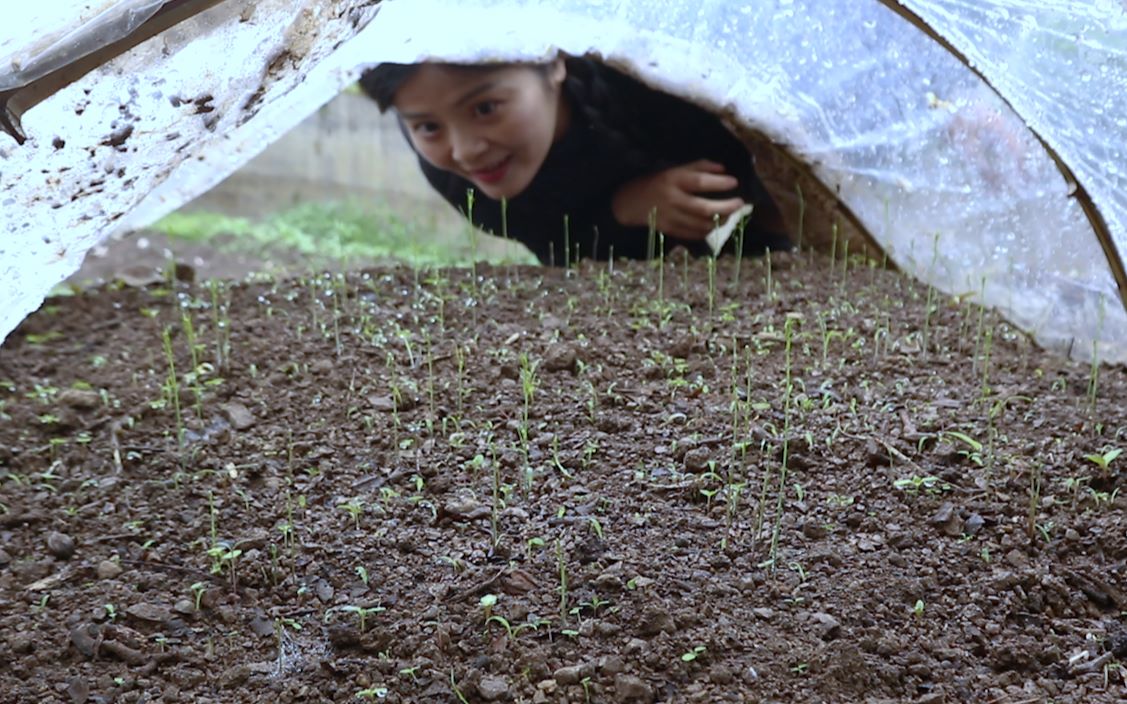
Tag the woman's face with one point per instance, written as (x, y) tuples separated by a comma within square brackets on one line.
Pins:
[(492, 127)]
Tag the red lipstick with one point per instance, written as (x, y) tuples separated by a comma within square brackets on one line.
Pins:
[(493, 174)]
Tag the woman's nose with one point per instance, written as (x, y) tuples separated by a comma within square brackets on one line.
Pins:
[(466, 146)]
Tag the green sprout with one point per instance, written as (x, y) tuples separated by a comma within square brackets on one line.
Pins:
[(693, 654), (354, 508), (198, 590), (362, 613), (372, 693), (1104, 460)]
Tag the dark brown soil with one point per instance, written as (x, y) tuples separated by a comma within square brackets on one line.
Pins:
[(616, 459)]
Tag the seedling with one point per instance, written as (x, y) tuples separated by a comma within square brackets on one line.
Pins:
[(411, 672), (198, 590), (172, 385), (372, 693), (362, 613), (596, 527), (914, 484), (691, 655), (487, 602), (362, 573), (225, 558), (918, 609), (1046, 530), (974, 447), (1034, 501), (1104, 460), (513, 631), (561, 567), (355, 508), (457, 690)]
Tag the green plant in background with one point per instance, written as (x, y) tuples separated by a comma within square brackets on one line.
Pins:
[(327, 234), (1094, 369), (172, 384), (788, 396), (561, 569)]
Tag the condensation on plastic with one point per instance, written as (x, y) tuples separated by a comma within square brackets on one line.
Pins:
[(53, 33), (1063, 66), (936, 165)]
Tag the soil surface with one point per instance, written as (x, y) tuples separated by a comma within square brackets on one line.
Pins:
[(813, 482)]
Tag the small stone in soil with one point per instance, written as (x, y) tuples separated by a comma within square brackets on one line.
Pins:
[(655, 621), (238, 415), (611, 665), (83, 641), (973, 524), (492, 688), (150, 612), (631, 688), (60, 545), (108, 569), (21, 643), (78, 689), (568, 675), (559, 358), (262, 626), (828, 627), (814, 530), (80, 399), (947, 520), (1016, 558)]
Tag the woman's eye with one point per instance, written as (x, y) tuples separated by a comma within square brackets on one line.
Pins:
[(426, 129), (485, 108)]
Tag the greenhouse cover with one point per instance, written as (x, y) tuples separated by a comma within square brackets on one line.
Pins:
[(979, 145)]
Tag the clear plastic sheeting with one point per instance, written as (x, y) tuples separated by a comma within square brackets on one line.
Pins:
[(930, 159), (53, 33), (1063, 66), (940, 168)]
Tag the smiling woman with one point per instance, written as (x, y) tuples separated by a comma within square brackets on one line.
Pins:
[(573, 158)]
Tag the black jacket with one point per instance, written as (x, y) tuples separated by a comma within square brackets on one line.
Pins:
[(586, 166)]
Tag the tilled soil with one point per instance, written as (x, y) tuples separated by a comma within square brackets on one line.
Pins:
[(816, 482)]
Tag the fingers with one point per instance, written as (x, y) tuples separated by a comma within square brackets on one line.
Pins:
[(696, 217), (703, 176), (710, 183)]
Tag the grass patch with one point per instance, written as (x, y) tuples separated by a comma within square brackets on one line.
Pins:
[(345, 232)]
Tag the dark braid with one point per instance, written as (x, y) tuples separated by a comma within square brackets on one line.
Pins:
[(609, 102)]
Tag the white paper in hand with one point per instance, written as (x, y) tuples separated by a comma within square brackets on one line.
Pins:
[(723, 232)]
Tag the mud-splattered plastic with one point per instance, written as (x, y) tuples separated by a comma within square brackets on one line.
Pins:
[(53, 33)]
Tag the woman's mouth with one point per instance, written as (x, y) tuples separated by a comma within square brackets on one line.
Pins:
[(494, 173)]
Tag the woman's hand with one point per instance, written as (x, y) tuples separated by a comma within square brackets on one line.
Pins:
[(675, 195)]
